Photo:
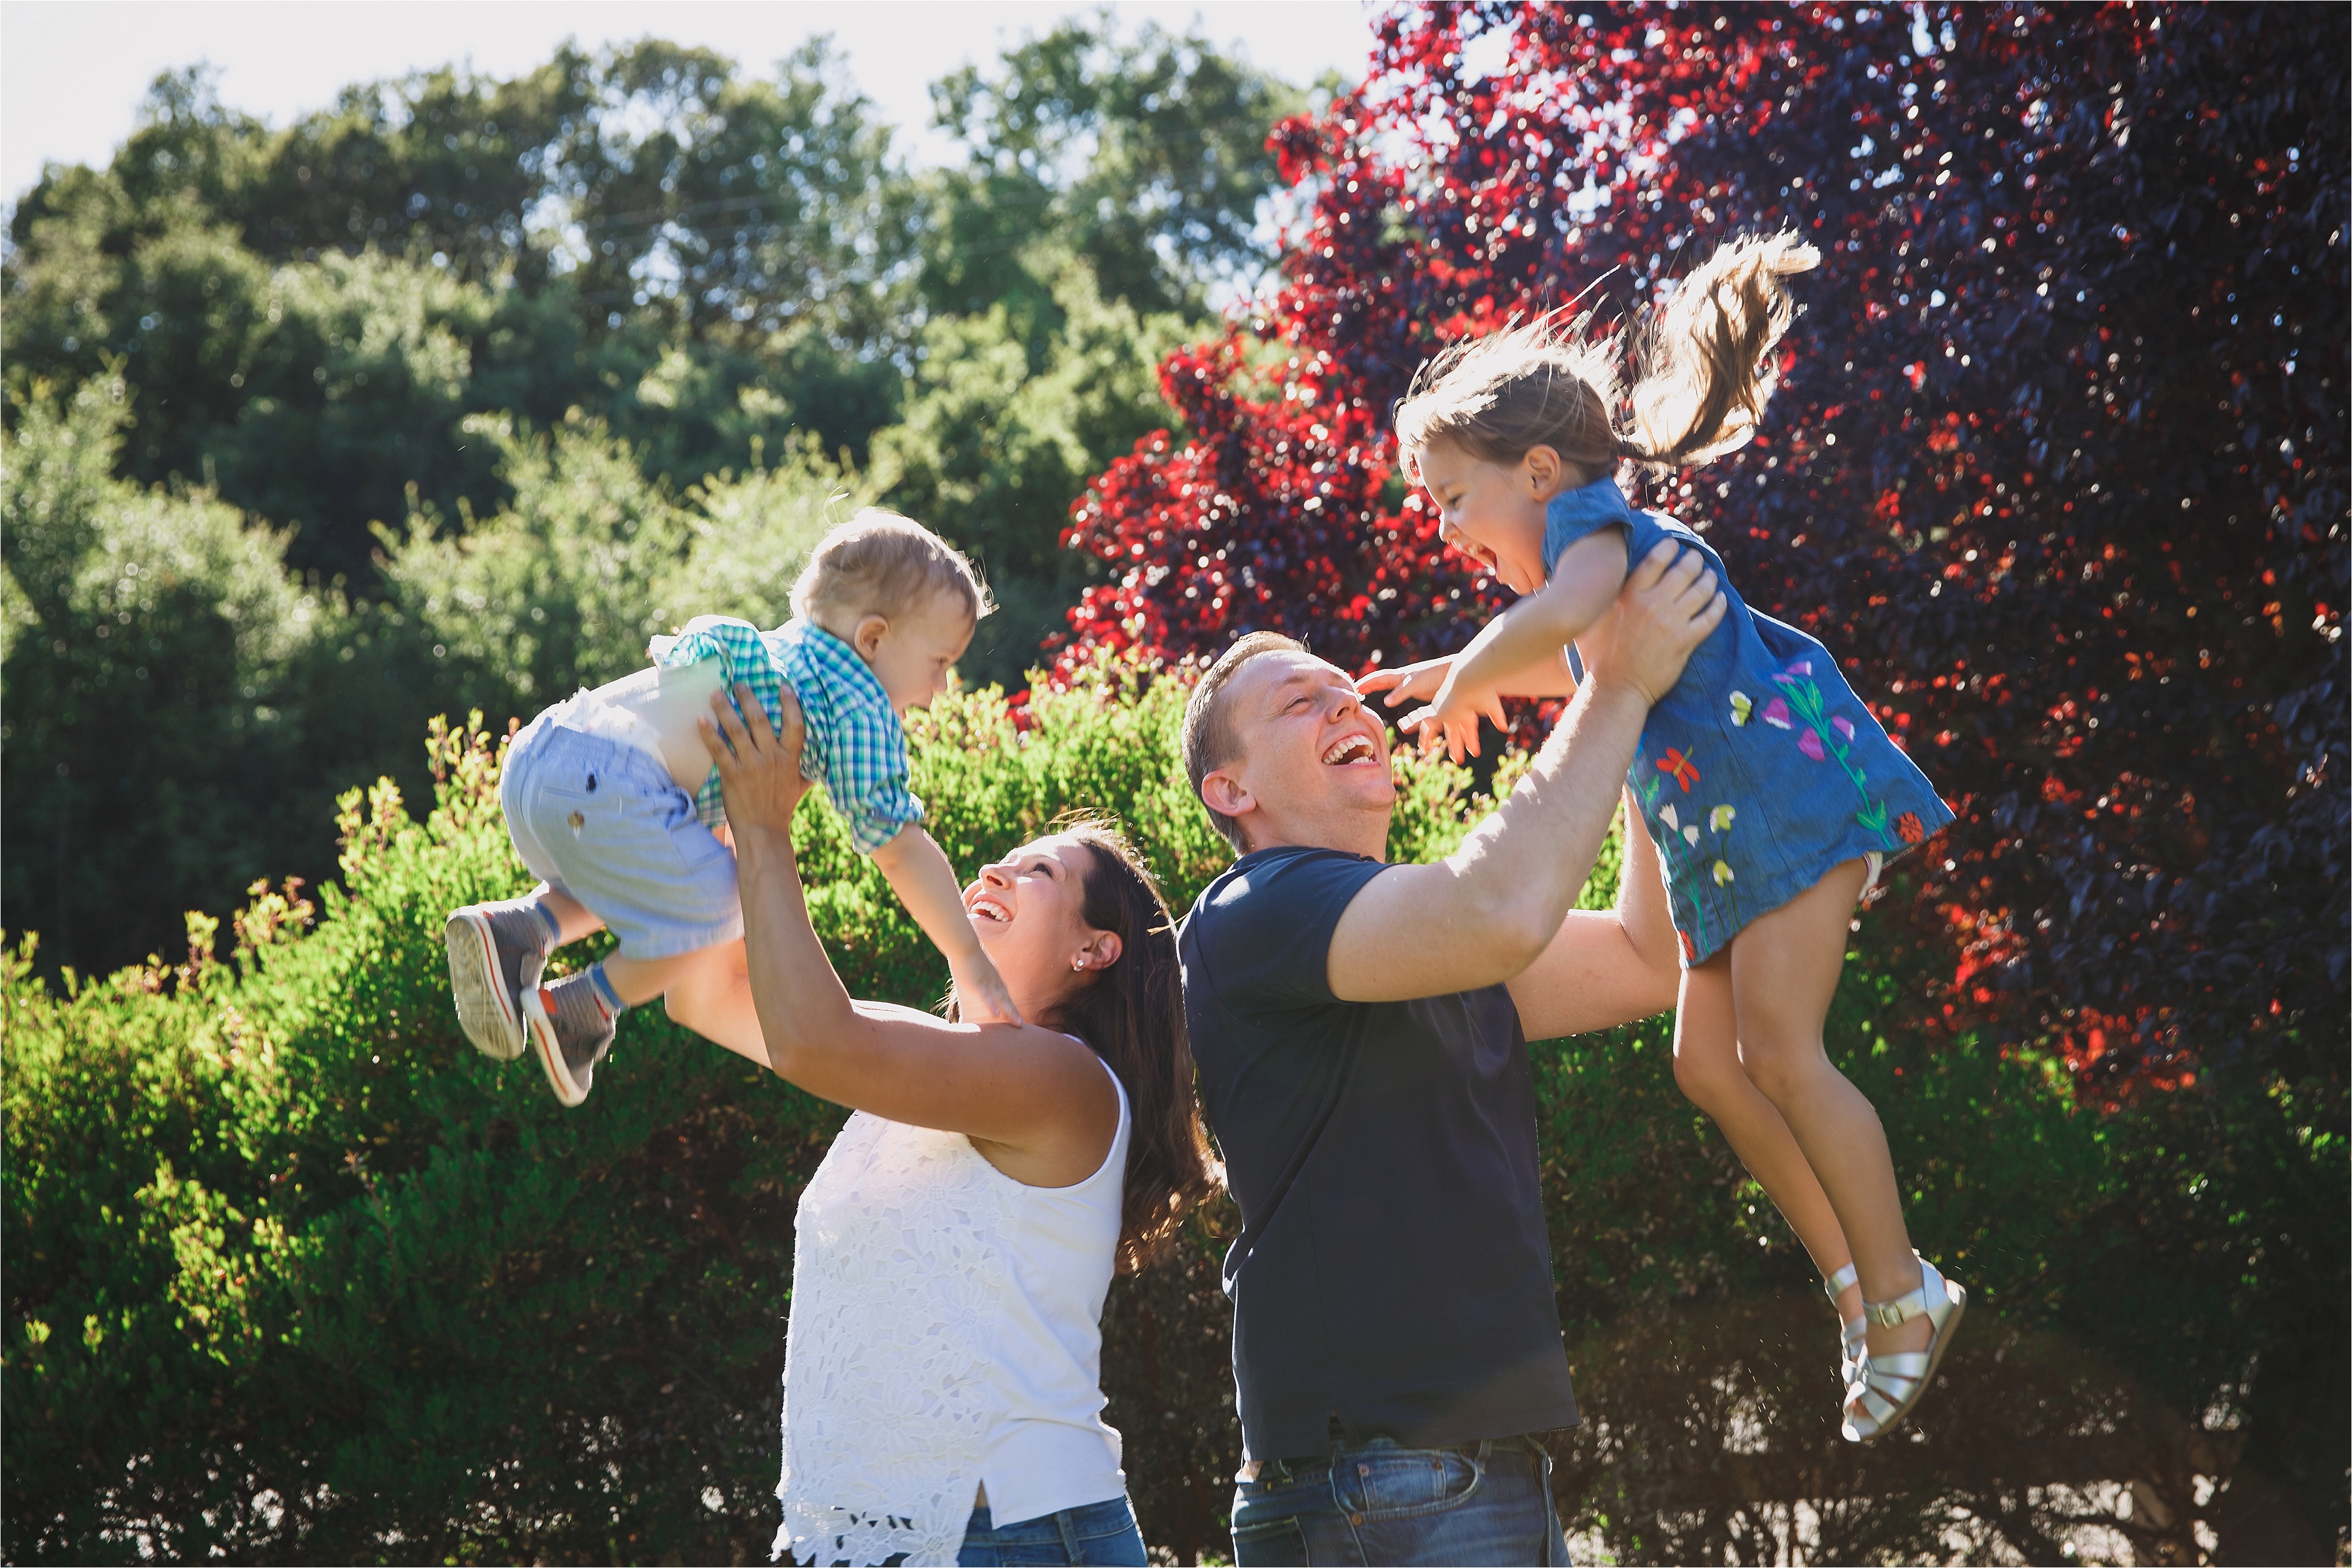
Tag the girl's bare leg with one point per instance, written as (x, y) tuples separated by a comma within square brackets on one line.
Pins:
[(1707, 1070), (714, 1001), (1784, 969)]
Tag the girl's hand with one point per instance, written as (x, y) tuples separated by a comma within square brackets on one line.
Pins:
[(1454, 715), (1407, 683), (759, 768), (981, 996)]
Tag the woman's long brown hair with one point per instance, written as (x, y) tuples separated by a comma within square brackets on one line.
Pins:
[(1133, 1015)]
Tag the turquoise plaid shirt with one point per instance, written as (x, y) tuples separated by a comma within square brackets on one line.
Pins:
[(856, 747)]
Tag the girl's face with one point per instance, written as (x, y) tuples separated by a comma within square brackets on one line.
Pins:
[(1492, 512)]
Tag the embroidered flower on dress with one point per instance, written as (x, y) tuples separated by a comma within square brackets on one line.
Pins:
[(1776, 713), (1666, 815), (1909, 826), (1722, 873), (1810, 744), (1720, 818), (1690, 835)]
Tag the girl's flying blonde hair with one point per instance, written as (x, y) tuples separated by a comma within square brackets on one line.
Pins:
[(1698, 390)]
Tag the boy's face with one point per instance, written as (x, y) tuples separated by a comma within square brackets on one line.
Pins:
[(1492, 512), (911, 653)]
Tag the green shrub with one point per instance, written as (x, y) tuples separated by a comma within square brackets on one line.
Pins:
[(294, 1275), (178, 709)]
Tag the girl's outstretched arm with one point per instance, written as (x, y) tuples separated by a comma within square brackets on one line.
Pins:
[(1527, 636)]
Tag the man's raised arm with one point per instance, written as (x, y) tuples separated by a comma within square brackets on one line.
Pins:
[(1484, 912)]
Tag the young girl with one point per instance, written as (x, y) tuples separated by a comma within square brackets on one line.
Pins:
[(612, 802), (1773, 797)]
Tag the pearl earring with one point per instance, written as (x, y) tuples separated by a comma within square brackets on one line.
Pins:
[(1078, 964)]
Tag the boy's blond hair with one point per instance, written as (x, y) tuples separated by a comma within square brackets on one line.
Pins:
[(1698, 395), (879, 563)]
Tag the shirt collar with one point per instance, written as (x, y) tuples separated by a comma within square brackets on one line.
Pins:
[(839, 659)]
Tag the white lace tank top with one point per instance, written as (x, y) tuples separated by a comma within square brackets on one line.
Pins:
[(945, 1332)]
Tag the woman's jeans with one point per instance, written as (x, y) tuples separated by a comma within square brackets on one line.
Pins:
[(1098, 1532), (1480, 1503)]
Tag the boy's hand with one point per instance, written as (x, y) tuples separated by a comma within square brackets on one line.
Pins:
[(1453, 716), (981, 996), (1407, 683)]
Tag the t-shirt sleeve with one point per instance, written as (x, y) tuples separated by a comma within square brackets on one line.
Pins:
[(1267, 943), (866, 778)]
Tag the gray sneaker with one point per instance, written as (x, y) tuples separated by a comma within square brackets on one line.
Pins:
[(571, 1030), (496, 953)]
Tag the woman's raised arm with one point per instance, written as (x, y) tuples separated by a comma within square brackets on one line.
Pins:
[(1037, 1104)]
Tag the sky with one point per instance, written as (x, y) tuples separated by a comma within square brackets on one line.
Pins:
[(72, 72)]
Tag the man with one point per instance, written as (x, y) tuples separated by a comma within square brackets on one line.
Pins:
[(1360, 1030)]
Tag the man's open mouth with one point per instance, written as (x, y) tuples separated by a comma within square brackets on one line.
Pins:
[(1353, 749)]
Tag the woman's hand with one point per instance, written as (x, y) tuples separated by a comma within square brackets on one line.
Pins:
[(759, 768)]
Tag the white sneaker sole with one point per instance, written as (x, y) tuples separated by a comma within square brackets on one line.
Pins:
[(487, 1010), (544, 1046)]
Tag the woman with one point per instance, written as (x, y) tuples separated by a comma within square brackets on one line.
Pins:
[(952, 1252)]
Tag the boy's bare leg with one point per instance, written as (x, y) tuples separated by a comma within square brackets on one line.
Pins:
[(574, 919), (635, 981)]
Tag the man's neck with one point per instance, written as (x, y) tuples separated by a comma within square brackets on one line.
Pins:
[(1354, 836)]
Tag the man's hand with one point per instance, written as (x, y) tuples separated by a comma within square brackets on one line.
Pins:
[(759, 768), (1670, 602)]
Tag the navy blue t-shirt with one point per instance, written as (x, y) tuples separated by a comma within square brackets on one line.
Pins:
[(1392, 1271)]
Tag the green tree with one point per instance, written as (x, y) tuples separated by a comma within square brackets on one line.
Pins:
[(178, 709), (562, 586), (1146, 156), (999, 437)]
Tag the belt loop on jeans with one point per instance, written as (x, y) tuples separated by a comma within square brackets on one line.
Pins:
[(1070, 1550)]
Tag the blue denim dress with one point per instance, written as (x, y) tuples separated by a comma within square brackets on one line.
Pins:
[(1760, 771)]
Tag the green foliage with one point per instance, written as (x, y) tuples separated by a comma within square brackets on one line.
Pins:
[(563, 588), (512, 372), (163, 674), (296, 1275), (1146, 156), (1005, 418)]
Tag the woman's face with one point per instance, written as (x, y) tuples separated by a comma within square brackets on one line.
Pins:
[(1029, 911), (1492, 512)]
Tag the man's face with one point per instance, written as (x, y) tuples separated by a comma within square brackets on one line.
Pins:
[(1313, 761)]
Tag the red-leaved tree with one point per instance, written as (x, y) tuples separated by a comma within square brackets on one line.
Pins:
[(2057, 466)]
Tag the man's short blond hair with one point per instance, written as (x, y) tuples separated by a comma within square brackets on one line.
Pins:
[(1210, 739), (879, 563)]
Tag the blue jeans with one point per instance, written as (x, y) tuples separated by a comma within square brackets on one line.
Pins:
[(1098, 1532), (1480, 1502)]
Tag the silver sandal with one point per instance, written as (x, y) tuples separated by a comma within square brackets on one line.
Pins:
[(1889, 1385), (1853, 1348)]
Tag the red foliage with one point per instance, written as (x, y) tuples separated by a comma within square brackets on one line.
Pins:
[(2057, 467)]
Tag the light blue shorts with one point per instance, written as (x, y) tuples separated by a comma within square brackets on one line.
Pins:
[(602, 821)]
